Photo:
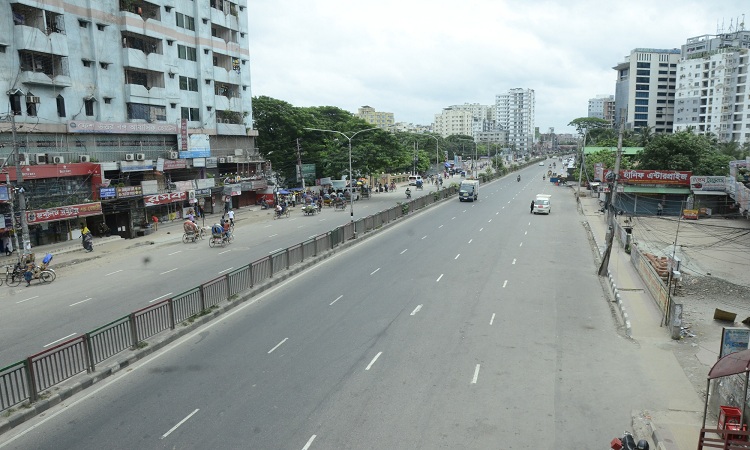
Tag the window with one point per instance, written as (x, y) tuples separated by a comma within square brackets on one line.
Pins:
[(641, 87), (641, 94), (100, 26), (83, 23), (188, 84), (185, 52), (643, 65), (184, 21), (191, 114), (104, 65), (641, 102), (2, 48), (641, 79), (86, 63), (107, 100), (30, 106), (60, 106), (88, 103), (641, 109)]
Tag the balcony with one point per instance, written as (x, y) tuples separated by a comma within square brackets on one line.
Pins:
[(147, 61), (36, 40), (43, 69)]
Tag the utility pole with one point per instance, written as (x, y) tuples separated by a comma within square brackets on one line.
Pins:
[(299, 163), (611, 218), (580, 168), (25, 241)]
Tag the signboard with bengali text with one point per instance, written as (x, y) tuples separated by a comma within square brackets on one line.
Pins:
[(63, 213), (163, 199), (703, 183), (82, 126), (674, 177)]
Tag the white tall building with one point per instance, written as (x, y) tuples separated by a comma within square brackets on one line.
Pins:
[(467, 119), (602, 107), (712, 86), (645, 89), (515, 114)]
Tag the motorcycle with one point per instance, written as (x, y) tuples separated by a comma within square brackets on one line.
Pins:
[(519, 178), (88, 242), (408, 194), (628, 443)]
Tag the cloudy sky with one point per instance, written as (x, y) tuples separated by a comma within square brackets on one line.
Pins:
[(415, 57)]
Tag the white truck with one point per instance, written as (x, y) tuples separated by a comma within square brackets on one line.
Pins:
[(468, 190)]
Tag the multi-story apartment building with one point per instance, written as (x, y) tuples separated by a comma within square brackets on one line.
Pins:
[(712, 86), (380, 119), (126, 109), (602, 107), (467, 119), (645, 89), (515, 114)]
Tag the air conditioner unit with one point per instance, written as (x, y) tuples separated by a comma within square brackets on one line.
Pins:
[(129, 157), (32, 99), (40, 158), (58, 160), (191, 194), (222, 160), (140, 156), (230, 159), (174, 155), (238, 152), (24, 158), (84, 158)]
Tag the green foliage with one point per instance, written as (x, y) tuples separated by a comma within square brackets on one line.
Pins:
[(684, 151), (607, 158), (584, 125)]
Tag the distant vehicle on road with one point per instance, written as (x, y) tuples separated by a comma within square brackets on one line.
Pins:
[(542, 204), (468, 190), (413, 179)]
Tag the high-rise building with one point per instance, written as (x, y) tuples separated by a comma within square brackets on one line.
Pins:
[(145, 103), (602, 107), (467, 119), (515, 114), (380, 119), (645, 89), (711, 88)]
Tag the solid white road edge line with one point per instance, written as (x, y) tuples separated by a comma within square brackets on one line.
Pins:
[(337, 299), (476, 375), (179, 423), (61, 339), (416, 310), (373, 360), (278, 345), (309, 442), (159, 298)]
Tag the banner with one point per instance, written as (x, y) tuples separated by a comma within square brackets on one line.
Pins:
[(75, 126), (63, 213), (163, 199), (55, 171), (674, 177), (703, 183)]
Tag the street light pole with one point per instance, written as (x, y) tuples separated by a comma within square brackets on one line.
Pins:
[(25, 240), (351, 184)]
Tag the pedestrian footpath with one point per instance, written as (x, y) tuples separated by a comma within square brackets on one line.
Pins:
[(677, 426)]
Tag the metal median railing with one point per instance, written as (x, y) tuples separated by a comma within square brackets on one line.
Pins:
[(27, 379)]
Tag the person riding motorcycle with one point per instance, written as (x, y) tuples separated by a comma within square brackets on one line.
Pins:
[(408, 193), (518, 178), (544, 177)]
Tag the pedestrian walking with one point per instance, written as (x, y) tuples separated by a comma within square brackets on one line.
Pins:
[(659, 209), (230, 215), (156, 222), (532, 207)]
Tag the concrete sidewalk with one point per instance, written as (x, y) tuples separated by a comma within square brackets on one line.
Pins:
[(677, 424)]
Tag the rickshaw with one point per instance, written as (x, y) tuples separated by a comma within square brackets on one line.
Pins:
[(309, 210)]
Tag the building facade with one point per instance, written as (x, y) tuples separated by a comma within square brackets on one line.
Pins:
[(380, 119), (602, 107), (153, 97), (515, 114), (645, 89), (467, 119), (712, 86)]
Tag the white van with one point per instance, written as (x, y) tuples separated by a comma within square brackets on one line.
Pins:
[(542, 204), (414, 178)]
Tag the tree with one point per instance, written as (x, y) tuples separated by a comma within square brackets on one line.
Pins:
[(683, 151), (585, 125)]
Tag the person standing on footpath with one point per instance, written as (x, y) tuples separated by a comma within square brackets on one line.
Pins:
[(659, 209)]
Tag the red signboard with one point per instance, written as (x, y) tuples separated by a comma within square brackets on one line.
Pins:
[(170, 164), (63, 213), (184, 134), (677, 177), (161, 199), (56, 170)]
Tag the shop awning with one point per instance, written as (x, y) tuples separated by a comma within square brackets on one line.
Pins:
[(709, 193), (657, 190), (731, 364)]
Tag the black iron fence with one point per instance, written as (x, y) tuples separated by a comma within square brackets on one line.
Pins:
[(27, 379)]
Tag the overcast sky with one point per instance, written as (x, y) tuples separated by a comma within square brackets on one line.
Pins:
[(416, 57)]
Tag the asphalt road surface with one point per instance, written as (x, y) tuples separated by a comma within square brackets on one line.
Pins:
[(470, 325)]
